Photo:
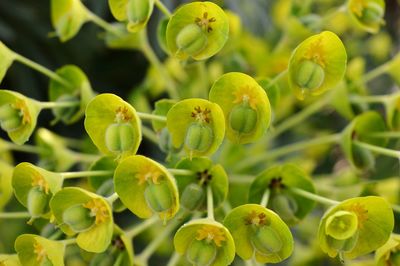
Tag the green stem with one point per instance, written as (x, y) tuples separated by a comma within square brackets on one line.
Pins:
[(314, 197), (277, 78), (174, 259), (51, 105), (47, 72), (386, 134), (69, 241), (152, 117), (83, 157), (156, 242), (163, 8), (151, 56), (69, 175), (241, 179), (374, 73), (137, 229), (265, 198), (326, 18), (5, 145), (56, 235), (377, 149), (149, 134), (112, 198), (14, 215), (370, 98), (180, 171), (301, 145), (210, 203), (102, 23)]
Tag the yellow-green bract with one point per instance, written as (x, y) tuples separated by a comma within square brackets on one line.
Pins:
[(247, 223), (198, 125), (321, 52), (10, 259), (205, 173), (6, 59), (98, 237), (245, 105), (368, 14), (392, 107), (210, 232), (6, 189), (67, 17), (146, 187), (290, 207), (209, 19), (135, 12), (26, 177), (360, 129), (35, 250), (79, 91), (28, 111), (108, 113), (389, 253), (375, 224)]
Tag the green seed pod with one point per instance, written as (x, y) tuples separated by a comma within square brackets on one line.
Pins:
[(11, 124), (38, 202), (78, 218), (192, 196), (341, 225), (201, 253), (7, 112), (119, 137), (266, 240), (372, 14), (243, 118), (138, 10), (285, 206), (310, 75), (10, 118), (198, 137), (158, 197), (191, 39)]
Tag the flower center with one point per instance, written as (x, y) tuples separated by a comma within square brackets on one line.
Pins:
[(149, 173), (122, 115), (211, 233), (257, 219), (40, 252), (97, 209), (201, 116), (38, 180), (204, 22)]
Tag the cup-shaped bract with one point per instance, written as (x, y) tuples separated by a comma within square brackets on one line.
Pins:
[(279, 179), (260, 233), (368, 14), (34, 250), (389, 253), (9, 260), (67, 17), (360, 129), (196, 124), (79, 91), (193, 188), (317, 65), (145, 187), (6, 59), (6, 189), (205, 242), (34, 187), (245, 105), (18, 115), (54, 153), (392, 107), (113, 125), (374, 224), (198, 30), (161, 108), (162, 34), (136, 12), (68, 206)]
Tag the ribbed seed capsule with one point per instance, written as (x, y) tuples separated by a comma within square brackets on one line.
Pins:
[(192, 197), (119, 137), (38, 201), (372, 13), (201, 253), (10, 118), (191, 39), (285, 206), (158, 197), (310, 75), (198, 137), (138, 10), (243, 118), (78, 218), (266, 240)]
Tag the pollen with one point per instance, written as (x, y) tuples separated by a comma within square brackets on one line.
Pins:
[(201, 115), (98, 209), (122, 115), (38, 180), (359, 210), (257, 219), (40, 252), (149, 172), (24, 112), (247, 95), (211, 233), (316, 52)]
